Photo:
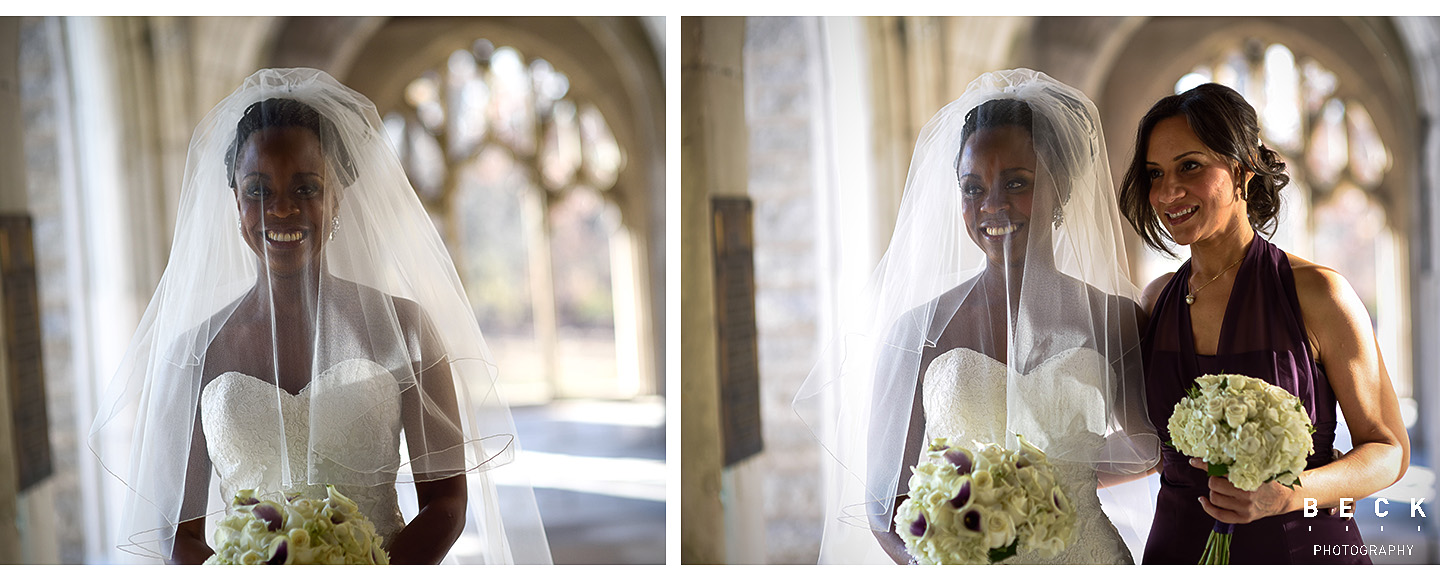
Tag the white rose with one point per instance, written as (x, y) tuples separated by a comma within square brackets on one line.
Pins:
[(1235, 413), (1215, 408), (1016, 502), (999, 529)]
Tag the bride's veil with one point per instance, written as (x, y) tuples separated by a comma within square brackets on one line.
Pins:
[(1055, 291), (380, 300)]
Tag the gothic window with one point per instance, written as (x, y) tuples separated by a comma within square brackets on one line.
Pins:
[(516, 173)]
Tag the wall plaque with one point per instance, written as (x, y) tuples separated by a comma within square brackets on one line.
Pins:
[(24, 367), (735, 321)]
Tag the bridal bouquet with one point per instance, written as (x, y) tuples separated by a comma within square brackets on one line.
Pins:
[(299, 531), (1248, 431), (980, 507)]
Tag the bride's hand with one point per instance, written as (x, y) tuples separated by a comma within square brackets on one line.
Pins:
[(1230, 504)]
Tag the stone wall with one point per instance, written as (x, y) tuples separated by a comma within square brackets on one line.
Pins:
[(43, 113), (783, 108)]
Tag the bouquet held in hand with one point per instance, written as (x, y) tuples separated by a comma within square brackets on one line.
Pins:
[(983, 506), (1248, 431)]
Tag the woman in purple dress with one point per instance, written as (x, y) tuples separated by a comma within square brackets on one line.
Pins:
[(1200, 177)]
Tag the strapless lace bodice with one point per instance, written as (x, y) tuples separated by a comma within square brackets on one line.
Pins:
[(1057, 406), (342, 429)]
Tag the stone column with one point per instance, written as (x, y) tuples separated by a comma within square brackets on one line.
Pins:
[(1422, 36), (12, 199), (713, 150)]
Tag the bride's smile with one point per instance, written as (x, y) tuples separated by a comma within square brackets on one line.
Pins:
[(285, 238), (999, 230)]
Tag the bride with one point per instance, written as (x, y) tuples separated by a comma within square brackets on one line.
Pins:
[(1002, 307), (310, 329)]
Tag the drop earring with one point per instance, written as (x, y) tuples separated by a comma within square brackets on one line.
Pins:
[(334, 226)]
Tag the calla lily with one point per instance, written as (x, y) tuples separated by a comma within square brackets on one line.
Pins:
[(280, 554), (972, 520), (961, 459), (917, 528), (962, 497)]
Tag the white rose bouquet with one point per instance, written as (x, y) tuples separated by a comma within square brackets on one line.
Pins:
[(298, 531), (980, 507), (1248, 431)]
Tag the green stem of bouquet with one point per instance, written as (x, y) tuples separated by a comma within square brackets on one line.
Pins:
[(1217, 549)]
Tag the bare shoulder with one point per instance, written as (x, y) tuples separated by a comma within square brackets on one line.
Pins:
[(1323, 288), (1151, 294), (1335, 317), (416, 323)]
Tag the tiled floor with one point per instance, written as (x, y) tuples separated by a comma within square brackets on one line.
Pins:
[(598, 469)]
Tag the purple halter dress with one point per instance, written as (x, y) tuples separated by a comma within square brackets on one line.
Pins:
[(1262, 336)]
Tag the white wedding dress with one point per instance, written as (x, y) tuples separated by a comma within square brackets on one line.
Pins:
[(349, 414), (1056, 406)]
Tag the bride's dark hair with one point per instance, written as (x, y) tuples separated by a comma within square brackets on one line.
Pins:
[(1227, 125), (994, 114), (279, 112)]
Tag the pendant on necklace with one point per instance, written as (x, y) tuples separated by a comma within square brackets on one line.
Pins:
[(1189, 299)]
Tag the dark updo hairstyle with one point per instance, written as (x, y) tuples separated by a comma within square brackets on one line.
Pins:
[(279, 112), (993, 114), (1055, 150), (1227, 125)]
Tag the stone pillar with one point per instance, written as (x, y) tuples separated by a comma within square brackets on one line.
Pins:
[(12, 199), (224, 50), (1422, 36), (713, 150), (113, 205)]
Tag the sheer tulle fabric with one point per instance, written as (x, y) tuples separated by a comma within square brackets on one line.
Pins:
[(935, 290), (380, 289)]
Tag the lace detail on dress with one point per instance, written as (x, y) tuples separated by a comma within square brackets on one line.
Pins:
[(342, 429), (965, 397)]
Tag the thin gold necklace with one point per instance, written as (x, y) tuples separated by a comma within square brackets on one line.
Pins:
[(1190, 297)]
